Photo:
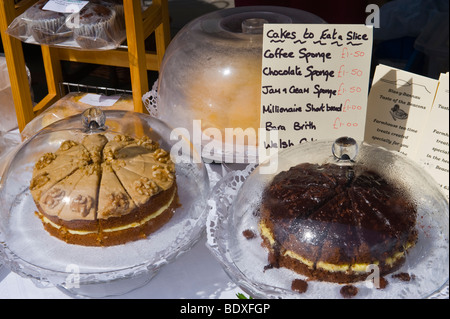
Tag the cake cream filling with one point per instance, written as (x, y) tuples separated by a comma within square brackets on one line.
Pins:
[(114, 229), (357, 267)]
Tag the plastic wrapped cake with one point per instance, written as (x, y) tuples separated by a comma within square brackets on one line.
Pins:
[(335, 220)]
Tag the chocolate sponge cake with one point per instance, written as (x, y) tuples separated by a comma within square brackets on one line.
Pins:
[(101, 192), (329, 222)]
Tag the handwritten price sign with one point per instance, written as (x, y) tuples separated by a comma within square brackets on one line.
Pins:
[(315, 81)]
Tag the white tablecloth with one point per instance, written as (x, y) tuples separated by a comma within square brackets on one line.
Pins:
[(194, 275)]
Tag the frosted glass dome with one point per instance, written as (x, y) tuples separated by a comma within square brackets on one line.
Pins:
[(211, 73)]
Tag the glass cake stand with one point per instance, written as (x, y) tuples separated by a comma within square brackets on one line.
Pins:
[(27, 249), (234, 209)]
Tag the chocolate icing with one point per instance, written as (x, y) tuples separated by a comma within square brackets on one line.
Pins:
[(340, 215)]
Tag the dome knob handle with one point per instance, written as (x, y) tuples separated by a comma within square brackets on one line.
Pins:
[(345, 149), (93, 119), (253, 25)]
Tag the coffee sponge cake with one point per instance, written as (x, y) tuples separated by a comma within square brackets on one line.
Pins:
[(103, 192)]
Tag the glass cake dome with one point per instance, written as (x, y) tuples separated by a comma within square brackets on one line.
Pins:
[(330, 219), (210, 77), (29, 250)]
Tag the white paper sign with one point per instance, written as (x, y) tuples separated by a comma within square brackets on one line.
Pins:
[(65, 6), (315, 80), (434, 148), (398, 107), (100, 100)]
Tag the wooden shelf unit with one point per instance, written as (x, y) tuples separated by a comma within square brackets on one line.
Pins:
[(139, 26)]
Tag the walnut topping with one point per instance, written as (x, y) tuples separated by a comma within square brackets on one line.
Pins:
[(170, 168), (82, 205), (39, 181), (162, 156), (67, 145), (162, 176), (54, 197), (118, 203), (167, 169), (148, 143), (45, 160), (100, 167), (163, 173), (91, 169), (144, 186), (108, 154), (85, 158), (123, 138), (96, 154)]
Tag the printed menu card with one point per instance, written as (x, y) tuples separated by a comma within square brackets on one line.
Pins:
[(408, 113), (434, 148), (315, 81), (398, 106)]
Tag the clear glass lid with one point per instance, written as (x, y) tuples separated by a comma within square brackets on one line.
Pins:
[(336, 219), (123, 179), (211, 74)]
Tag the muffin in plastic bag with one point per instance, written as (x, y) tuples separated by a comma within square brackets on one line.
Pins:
[(96, 25)]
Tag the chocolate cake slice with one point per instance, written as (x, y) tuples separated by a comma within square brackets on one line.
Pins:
[(302, 189), (340, 245), (386, 220), (293, 197)]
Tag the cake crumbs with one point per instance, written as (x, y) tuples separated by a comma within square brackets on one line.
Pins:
[(403, 276), (249, 234), (267, 267), (299, 285), (383, 283), (349, 291)]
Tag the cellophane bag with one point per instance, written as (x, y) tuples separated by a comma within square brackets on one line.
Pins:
[(83, 25)]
